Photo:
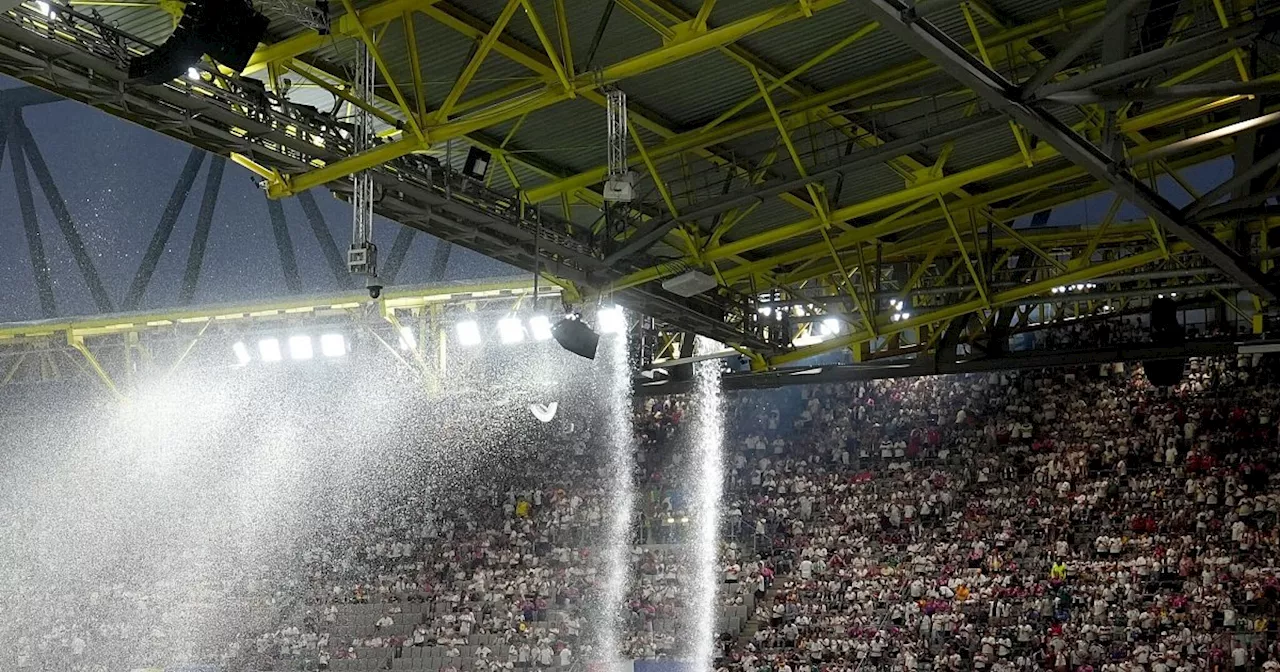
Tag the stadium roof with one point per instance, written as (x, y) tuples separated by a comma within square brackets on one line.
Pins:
[(895, 168)]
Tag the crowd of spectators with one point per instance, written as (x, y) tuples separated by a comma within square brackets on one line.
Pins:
[(1070, 519)]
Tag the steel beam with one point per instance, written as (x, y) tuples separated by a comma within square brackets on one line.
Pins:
[(992, 87), (30, 223), (204, 223), (1116, 14), (329, 248), (404, 237), (160, 239), (284, 245), (62, 215), (1257, 87), (1192, 48)]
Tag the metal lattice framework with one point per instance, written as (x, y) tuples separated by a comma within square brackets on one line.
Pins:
[(882, 168)]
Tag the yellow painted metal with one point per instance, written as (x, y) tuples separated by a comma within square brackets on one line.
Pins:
[(566, 43), (704, 13), (653, 172), (821, 57), (321, 79), (888, 326), (545, 39), (415, 65), (443, 130), (253, 166), (387, 77), (346, 26), (473, 66), (978, 281), (76, 341), (865, 86)]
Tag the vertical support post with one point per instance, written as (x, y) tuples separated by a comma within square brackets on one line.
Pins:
[(204, 222), (63, 216), (284, 245), (30, 224), (160, 239)]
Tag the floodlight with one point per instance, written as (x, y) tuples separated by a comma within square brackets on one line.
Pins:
[(45, 10), (540, 327), (406, 339), (333, 345), (242, 352), (576, 337), (227, 30), (269, 349), (831, 326), (611, 320), (300, 347), (510, 330), (468, 333)]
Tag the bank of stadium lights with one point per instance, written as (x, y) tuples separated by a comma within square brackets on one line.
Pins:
[(830, 326), (611, 320), (301, 347), (1078, 287), (898, 313), (540, 327)]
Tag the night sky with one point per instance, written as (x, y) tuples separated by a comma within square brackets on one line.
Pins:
[(117, 177)]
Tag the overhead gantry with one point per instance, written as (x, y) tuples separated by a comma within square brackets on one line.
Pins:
[(875, 171)]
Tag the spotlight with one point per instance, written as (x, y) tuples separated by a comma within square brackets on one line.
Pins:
[(477, 164), (468, 333), (45, 10), (830, 326), (193, 74), (406, 339), (242, 352), (576, 337), (333, 345), (510, 330), (269, 349), (540, 327), (227, 30), (611, 320), (300, 347)]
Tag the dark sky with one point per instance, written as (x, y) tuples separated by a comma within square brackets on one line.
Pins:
[(116, 178)]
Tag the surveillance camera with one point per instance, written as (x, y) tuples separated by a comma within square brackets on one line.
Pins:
[(375, 291)]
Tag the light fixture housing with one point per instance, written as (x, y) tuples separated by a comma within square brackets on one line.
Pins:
[(269, 350), (540, 327), (611, 320), (510, 330), (300, 347), (468, 333), (333, 345)]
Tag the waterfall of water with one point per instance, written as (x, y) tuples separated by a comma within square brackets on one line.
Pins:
[(709, 465)]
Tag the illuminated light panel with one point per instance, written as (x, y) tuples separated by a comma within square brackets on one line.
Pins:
[(406, 339), (269, 350), (468, 333), (333, 345), (830, 326), (540, 327), (510, 330), (300, 347), (242, 352), (611, 320)]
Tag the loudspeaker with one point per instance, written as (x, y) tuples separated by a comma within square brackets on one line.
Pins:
[(1165, 331), (576, 337), (227, 30)]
